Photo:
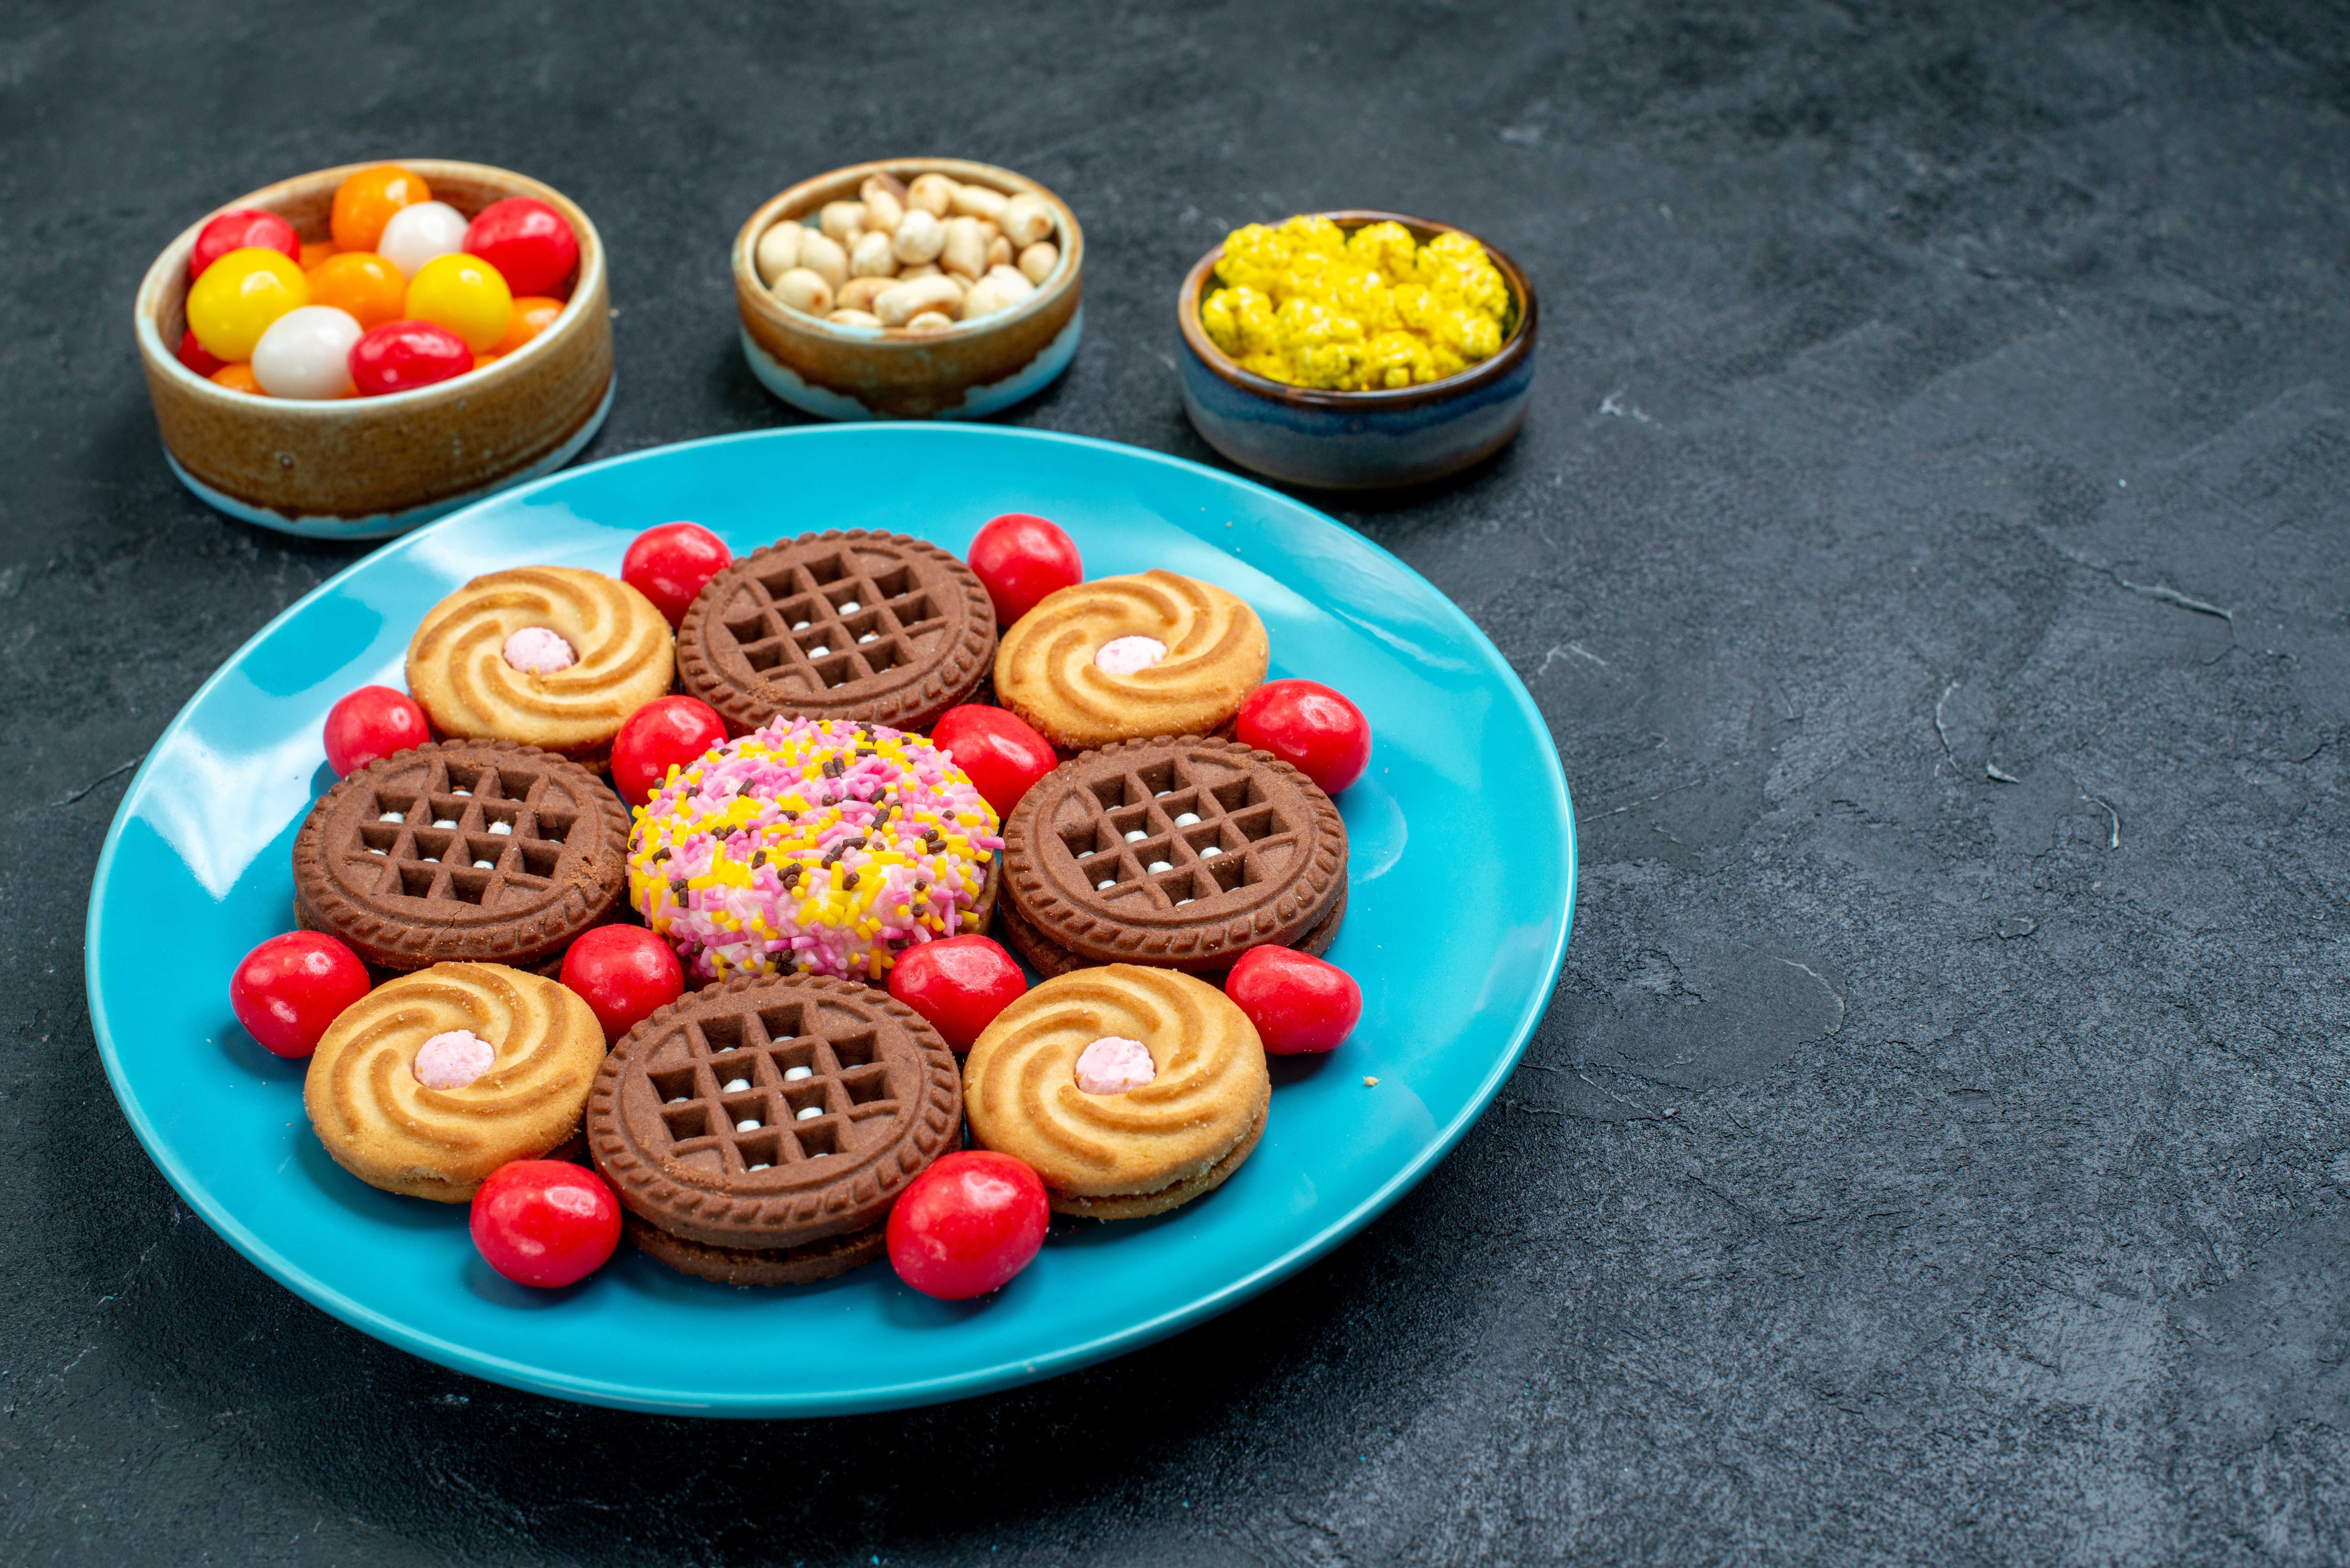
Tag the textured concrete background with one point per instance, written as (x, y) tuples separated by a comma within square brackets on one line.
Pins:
[(1928, 549)]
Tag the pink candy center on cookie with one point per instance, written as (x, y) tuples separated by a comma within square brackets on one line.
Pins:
[(1125, 655), (534, 650), (453, 1061), (1113, 1064)]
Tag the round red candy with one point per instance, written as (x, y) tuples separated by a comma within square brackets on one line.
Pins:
[(666, 731), (624, 975), (1297, 1003), (401, 355), (1021, 559), (529, 243), (1311, 727), (371, 723), (544, 1222), (244, 229), (194, 356), (670, 563), (997, 748), (967, 1224), (289, 989), (959, 983)]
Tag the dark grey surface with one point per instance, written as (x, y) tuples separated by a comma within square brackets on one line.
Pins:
[(1927, 546)]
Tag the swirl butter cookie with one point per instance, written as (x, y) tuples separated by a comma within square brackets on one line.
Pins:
[(1124, 657), (432, 1081), (553, 656), (1129, 1090)]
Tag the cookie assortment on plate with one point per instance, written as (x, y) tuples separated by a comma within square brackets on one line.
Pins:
[(1140, 819)]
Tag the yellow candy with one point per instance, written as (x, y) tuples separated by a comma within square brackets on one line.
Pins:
[(464, 294), (239, 296), (1309, 305)]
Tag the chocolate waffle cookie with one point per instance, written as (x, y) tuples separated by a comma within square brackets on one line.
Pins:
[(461, 849), (1101, 864), (758, 1131), (882, 627)]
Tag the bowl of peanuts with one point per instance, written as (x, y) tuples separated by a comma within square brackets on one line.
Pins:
[(911, 288), (1357, 349)]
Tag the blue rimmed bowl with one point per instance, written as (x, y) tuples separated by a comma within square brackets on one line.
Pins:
[(1359, 441)]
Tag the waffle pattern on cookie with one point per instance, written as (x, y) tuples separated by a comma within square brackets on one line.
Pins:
[(1216, 653), (1020, 1084), (457, 668), (1264, 859), (883, 628), (390, 1131), (533, 853), (852, 1093)]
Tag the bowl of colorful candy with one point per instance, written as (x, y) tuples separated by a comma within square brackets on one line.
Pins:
[(355, 351), (1357, 349), (914, 288)]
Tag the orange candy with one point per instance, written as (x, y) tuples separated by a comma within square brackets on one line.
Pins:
[(314, 252), (362, 283), (482, 359), (533, 314), (238, 378), (365, 202)]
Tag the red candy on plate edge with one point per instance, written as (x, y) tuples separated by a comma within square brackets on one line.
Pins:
[(1003, 755), (370, 724), (529, 243), (290, 988), (967, 1224), (1298, 1002), (1019, 559), (625, 974), (670, 563), (245, 228), (959, 983), (544, 1222), (666, 731), (1312, 728)]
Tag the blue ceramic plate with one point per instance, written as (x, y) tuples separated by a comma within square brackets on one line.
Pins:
[(1462, 887)]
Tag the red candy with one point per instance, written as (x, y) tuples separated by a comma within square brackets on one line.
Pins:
[(528, 240), (669, 565), (666, 731), (544, 1222), (624, 975), (192, 355), (967, 1224), (401, 355), (1299, 1004), (1311, 727), (995, 746), (959, 983), (289, 989), (1020, 559), (371, 723), (239, 229)]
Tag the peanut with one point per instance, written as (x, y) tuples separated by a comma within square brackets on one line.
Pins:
[(1037, 262), (870, 256), (859, 293), (804, 290), (825, 257), (854, 318), (778, 250), (918, 237), (1027, 219), (885, 203), (934, 193), (999, 252), (930, 321), (962, 249), (979, 201), (843, 221), (928, 269), (908, 300)]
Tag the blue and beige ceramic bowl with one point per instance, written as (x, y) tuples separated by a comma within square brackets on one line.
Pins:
[(1358, 440)]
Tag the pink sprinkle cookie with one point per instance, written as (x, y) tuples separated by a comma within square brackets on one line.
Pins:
[(534, 650), (1113, 1064), (1125, 655), (453, 1061)]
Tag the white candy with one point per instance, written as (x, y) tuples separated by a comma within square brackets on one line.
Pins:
[(799, 626), (391, 817), (461, 791), (678, 1100), (375, 852), (446, 822), (502, 828), (1188, 819), (793, 1075), (425, 231), (761, 1165), (810, 1113), (734, 1086), (307, 354), (1098, 886), (1162, 794), (1180, 902), (486, 865), (1156, 867), (869, 637), (748, 1124), (1137, 837), (851, 608), (819, 652), (428, 860), (1210, 853)]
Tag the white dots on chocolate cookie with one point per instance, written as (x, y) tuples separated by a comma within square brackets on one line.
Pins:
[(1188, 819), (391, 817), (810, 1112), (748, 1124), (736, 1086), (502, 829), (1137, 837), (793, 1075), (1156, 867)]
